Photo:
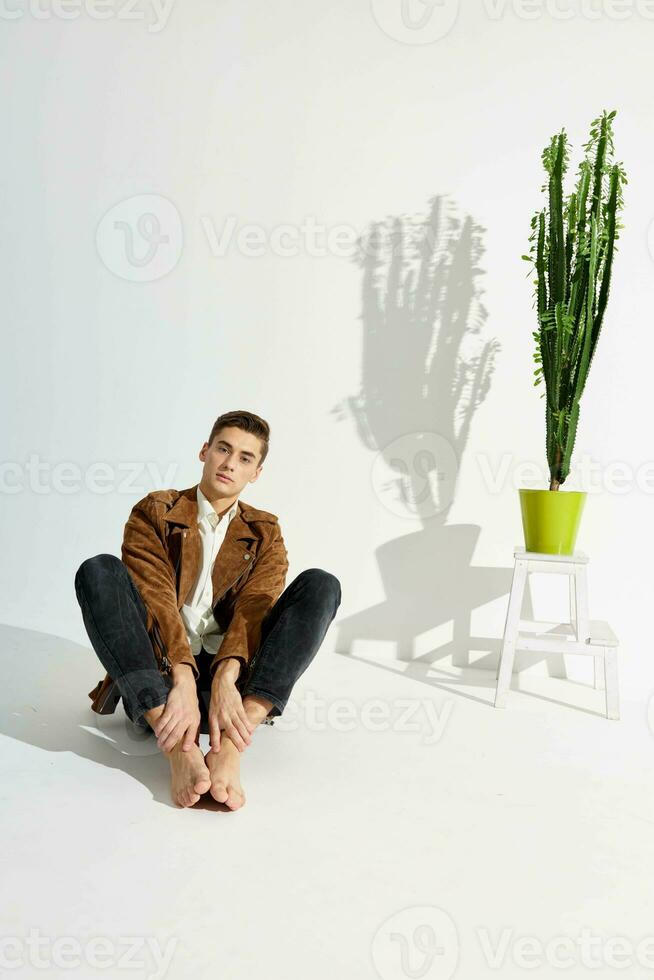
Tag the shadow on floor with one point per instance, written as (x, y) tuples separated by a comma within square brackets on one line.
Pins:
[(44, 703)]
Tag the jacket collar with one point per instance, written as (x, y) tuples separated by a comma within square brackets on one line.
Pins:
[(185, 511)]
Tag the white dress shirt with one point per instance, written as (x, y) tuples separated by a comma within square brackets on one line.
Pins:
[(197, 614)]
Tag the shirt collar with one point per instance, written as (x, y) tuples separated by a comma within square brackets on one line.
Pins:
[(206, 510)]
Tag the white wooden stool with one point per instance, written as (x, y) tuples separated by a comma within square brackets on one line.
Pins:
[(580, 635)]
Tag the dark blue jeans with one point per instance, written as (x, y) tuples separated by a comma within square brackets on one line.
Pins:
[(115, 618)]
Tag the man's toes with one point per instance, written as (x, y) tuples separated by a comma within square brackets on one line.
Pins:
[(235, 799), (219, 791), (187, 797), (202, 784)]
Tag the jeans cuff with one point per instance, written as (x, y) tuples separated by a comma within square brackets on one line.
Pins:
[(277, 705)]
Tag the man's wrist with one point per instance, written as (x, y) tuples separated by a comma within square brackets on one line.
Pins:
[(229, 667), (182, 672)]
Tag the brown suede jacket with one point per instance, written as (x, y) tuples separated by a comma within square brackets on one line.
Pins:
[(162, 550)]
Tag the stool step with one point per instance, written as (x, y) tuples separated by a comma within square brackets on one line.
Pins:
[(561, 639), (601, 634)]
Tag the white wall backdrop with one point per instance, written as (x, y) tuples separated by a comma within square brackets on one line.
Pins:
[(242, 147)]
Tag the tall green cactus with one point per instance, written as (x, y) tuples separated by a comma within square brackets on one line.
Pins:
[(572, 248)]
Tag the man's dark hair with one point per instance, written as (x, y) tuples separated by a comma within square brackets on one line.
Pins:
[(249, 423)]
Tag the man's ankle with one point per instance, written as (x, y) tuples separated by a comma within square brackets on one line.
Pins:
[(152, 714), (256, 708)]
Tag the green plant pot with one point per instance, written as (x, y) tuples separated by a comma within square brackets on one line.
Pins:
[(550, 519)]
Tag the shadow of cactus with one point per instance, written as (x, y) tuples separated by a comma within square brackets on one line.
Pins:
[(425, 365), (426, 368)]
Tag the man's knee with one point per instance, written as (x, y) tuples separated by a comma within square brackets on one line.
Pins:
[(94, 568), (322, 583)]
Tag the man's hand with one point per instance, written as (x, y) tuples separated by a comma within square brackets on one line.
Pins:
[(181, 716), (226, 709)]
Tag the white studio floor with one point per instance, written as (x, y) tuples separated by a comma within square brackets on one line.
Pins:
[(396, 826)]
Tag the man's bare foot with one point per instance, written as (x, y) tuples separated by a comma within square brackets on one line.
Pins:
[(224, 767), (189, 776)]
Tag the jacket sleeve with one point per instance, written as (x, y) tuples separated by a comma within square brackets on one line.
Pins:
[(144, 554), (252, 602)]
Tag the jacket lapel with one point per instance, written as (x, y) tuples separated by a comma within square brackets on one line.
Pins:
[(234, 556), (237, 550)]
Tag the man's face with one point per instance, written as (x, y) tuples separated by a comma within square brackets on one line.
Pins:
[(234, 454)]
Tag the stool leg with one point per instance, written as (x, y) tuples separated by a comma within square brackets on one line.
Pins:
[(581, 624), (581, 603), (611, 682), (556, 661), (511, 627), (525, 604), (573, 603), (579, 618)]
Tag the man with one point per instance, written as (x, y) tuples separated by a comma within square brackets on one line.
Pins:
[(193, 624)]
